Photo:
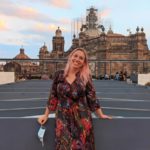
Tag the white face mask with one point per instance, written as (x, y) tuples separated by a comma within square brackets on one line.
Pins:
[(41, 133)]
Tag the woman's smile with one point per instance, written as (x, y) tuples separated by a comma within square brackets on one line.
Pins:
[(78, 59)]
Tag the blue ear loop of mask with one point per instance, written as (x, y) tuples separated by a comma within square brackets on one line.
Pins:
[(41, 134)]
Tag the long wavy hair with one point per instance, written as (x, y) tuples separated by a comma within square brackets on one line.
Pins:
[(85, 72)]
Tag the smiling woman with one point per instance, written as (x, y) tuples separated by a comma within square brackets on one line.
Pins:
[(73, 97), (78, 62)]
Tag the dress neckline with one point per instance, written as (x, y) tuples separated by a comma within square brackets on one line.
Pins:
[(76, 78), (70, 83)]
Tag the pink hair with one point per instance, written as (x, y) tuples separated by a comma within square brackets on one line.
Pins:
[(85, 72)]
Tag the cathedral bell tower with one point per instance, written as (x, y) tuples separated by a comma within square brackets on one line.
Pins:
[(58, 43)]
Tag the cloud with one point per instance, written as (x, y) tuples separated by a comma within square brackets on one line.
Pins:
[(40, 28), (26, 32), (24, 12), (60, 3), (104, 13), (64, 4), (13, 39), (18, 38), (65, 21), (3, 25)]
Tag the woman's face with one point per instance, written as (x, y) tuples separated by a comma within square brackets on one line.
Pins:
[(77, 59)]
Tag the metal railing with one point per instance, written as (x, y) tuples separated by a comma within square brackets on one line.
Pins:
[(98, 67)]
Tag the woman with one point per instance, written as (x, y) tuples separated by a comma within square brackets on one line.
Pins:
[(73, 98)]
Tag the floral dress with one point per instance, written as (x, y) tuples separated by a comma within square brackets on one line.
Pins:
[(73, 104)]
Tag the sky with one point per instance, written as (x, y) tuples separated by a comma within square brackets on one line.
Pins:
[(30, 23)]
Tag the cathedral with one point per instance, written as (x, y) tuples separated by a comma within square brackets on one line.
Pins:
[(108, 52)]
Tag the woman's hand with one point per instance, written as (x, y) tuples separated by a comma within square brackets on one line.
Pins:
[(42, 119), (101, 115)]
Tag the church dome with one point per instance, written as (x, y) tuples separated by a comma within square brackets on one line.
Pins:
[(110, 31), (58, 32), (43, 49), (22, 55)]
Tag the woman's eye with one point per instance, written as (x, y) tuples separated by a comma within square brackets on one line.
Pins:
[(81, 58), (75, 55)]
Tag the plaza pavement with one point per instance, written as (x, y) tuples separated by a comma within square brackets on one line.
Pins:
[(129, 104), (121, 100)]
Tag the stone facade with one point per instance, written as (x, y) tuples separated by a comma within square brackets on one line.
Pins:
[(102, 46), (22, 68), (57, 52), (111, 51)]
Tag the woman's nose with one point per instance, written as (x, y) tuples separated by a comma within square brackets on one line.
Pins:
[(77, 59)]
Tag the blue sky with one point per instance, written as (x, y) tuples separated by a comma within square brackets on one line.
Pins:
[(30, 23)]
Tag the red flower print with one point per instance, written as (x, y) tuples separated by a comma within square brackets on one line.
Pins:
[(74, 144), (83, 137), (86, 125), (53, 104), (59, 127)]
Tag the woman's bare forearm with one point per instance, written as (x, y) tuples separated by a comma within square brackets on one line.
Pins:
[(99, 112), (46, 113)]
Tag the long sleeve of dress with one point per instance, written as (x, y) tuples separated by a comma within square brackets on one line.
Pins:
[(53, 100), (92, 101)]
